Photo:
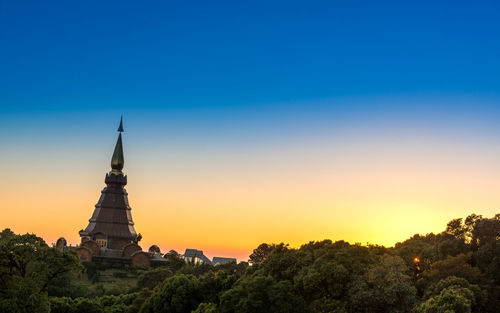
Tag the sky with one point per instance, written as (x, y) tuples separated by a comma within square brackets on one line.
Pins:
[(251, 122)]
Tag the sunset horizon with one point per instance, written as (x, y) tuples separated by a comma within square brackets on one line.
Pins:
[(153, 204)]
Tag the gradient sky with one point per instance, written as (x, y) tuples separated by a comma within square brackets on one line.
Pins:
[(265, 121)]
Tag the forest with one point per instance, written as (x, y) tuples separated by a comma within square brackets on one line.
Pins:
[(457, 270)]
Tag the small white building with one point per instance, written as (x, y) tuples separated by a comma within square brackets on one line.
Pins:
[(195, 256)]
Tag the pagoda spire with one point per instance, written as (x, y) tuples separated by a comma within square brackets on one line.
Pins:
[(120, 128), (117, 161), (111, 224)]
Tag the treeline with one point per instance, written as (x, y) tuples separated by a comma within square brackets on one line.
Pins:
[(457, 270)]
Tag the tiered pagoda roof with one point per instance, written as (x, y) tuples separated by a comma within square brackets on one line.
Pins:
[(111, 224)]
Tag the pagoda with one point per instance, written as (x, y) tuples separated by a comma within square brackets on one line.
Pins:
[(110, 237), (111, 224)]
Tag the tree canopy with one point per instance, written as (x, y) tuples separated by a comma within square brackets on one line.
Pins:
[(457, 270)]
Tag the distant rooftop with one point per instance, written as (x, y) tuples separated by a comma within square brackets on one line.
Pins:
[(193, 253), (220, 260)]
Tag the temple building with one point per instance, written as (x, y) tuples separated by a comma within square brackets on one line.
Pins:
[(111, 224), (110, 236)]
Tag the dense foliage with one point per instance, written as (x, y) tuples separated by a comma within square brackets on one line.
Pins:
[(457, 270), (28, 270)]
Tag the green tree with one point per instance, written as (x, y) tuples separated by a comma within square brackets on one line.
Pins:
[(325, 278), (153, 277), (27, 267), (456, 228), (285, 263), (453, 299), (84, 305), (177, 294), (261, 294), (480, 296), (138, 301), (458, 266), (61, 304), (174, 260), (469, 225), (485, 231), (232, 268), (488, 260), (328, 305), (421, 247), (206, 308), (385, 287), (212, 286)]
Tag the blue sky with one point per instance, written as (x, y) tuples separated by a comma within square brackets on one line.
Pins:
[(259, 71), (60, 55), (259, 68)]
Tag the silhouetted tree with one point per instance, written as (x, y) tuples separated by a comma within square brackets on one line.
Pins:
[(261, 253), (174, 260), (456, 229), (486, 231)]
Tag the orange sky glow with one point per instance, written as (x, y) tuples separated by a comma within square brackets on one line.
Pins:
[(377, 190)]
